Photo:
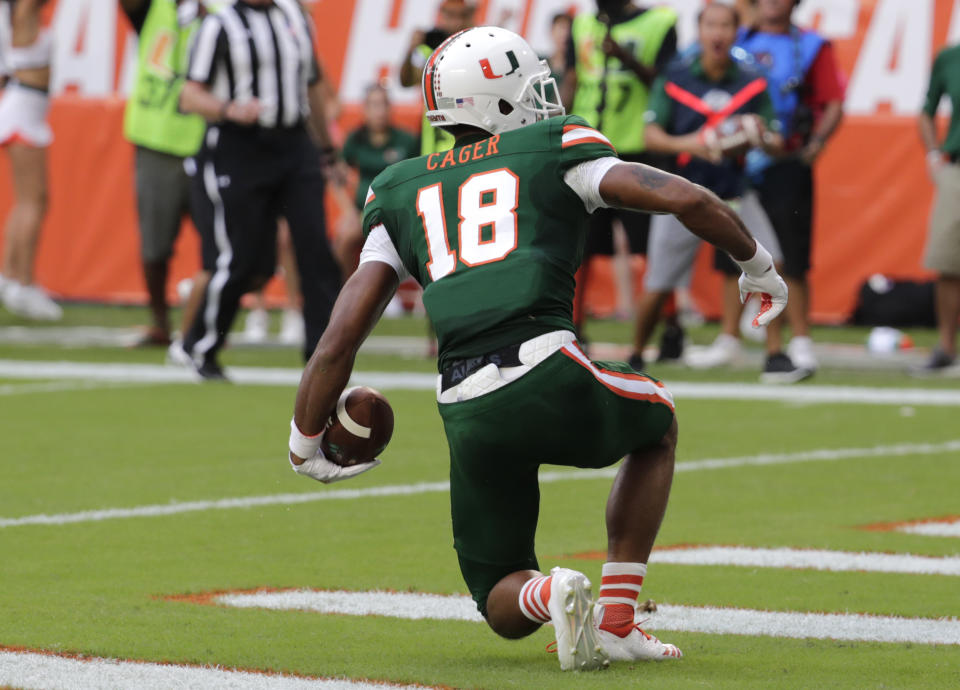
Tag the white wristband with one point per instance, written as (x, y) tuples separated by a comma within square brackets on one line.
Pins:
[(302, 445), (760, 263)]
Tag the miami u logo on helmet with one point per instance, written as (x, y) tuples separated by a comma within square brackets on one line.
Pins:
[(488, 70)]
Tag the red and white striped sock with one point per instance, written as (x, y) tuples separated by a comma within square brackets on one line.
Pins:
[(535, 599), (619, 589)]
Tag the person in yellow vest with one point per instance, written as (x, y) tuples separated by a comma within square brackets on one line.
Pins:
[(453, 16), (164, 137), (613, 57)]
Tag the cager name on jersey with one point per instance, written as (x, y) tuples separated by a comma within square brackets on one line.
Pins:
[(464, 154)]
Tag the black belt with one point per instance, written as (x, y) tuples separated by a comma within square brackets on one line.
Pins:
[(459, 369)]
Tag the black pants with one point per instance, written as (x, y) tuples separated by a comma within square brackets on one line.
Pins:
[(786, 194), (245, 179)]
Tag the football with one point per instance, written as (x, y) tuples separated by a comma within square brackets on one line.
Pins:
[(359, 429)]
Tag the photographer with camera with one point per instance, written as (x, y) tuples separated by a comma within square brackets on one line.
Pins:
[(807, 89)]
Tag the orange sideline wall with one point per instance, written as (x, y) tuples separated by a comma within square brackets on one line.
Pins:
[(873, 194)]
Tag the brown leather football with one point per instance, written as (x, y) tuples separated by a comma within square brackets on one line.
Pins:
[(359, 429)]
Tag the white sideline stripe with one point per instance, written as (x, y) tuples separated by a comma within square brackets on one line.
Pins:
[(947, 528), (60, 386), (156, 510), (384, 380), (50, 672), (725, 621), (814, 559)]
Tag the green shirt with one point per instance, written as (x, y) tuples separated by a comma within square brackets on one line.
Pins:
[(492, 232), (945, 81), (369, 160)]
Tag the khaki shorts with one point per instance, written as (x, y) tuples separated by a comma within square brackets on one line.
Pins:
[(943, 243)]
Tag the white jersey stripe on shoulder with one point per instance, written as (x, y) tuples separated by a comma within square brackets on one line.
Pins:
[(627, 385), (583, 135), (370, 195)]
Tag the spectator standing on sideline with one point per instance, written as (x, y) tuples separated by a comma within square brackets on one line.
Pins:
[(613, 57), (254, 77), (162, 137), (25, 135), (369, 149), (701, 98), (453, 16), (943, 243), (807, 90), (560, 27)]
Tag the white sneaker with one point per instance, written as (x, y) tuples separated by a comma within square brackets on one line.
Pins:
[(257, 325), (800, 351), (636, 646), (571, 611), (177, 355), (31, 302), (292, 330), (750, 310), (724, 350)]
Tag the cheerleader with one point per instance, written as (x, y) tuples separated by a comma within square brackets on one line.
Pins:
[(25, 136)]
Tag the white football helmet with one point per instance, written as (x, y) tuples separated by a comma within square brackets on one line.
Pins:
[(490, 78)]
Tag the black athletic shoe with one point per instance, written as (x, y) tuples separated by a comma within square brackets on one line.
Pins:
[(636, 362), (780, 369), (671, 344), (210, 370), (939, 360)]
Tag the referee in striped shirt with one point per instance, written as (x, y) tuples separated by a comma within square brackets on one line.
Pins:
[(253, 75)]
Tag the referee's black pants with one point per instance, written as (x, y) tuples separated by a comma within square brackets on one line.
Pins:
[(245, 179)]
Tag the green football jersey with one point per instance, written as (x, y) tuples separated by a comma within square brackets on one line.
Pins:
[(491, 231)]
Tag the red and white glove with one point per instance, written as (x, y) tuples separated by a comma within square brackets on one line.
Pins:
[(317, 466), (760, 277)]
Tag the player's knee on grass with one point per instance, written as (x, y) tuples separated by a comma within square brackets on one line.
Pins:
[(503, 612), (482, 578)]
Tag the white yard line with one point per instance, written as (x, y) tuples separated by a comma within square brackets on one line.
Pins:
[(156, 510), (50, 672), (61, 386), (276, 376), (724, 621), (933, 528), (812, 559)]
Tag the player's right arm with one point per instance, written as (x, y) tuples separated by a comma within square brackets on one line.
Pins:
[(356, 311), (642, 188)]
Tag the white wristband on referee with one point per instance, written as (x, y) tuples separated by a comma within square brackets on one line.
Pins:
[(302, 445), (760, 263)]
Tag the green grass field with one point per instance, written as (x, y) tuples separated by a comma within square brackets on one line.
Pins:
[(101, 587)]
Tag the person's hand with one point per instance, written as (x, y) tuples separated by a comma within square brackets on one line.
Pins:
[(810, 152), (613, 49), (935, 163), (242, 113), (761, 278), (755, 129), (707, 145), (321, 469)]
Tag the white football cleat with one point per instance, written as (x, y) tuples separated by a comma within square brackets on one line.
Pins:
[(571, 611), (636, 646), (31, 302)]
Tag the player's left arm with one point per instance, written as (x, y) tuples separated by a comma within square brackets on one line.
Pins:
[(355, 313), (643, 188)]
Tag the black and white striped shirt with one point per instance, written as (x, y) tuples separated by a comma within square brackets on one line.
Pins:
[(265, 52)]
